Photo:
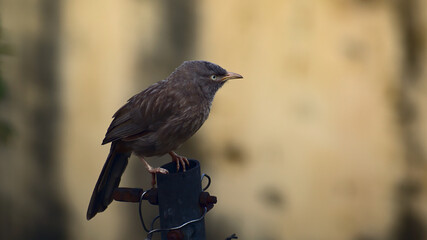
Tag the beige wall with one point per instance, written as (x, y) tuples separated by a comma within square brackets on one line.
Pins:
[(314, 118), (309, 145), (97, 78)]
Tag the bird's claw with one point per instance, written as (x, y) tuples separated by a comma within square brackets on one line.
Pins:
[(158, 170), (154, 171), (180, 160), (183, 161)]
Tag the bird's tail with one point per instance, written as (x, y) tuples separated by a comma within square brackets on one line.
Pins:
[(108, 180)]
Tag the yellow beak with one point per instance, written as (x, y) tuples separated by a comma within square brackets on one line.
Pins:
[(231, 75)]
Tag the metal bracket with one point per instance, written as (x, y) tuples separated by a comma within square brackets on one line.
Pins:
[(137, 195)]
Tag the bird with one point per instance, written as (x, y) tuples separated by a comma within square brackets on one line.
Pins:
[(157, 121)]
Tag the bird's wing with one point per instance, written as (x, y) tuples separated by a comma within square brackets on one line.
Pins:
[(142, 114)]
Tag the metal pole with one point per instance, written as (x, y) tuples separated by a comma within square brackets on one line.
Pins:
[(179, 197)]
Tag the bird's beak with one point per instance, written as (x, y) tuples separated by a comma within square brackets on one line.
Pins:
[(230, 75)]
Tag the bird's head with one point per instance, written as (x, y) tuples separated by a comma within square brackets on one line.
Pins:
[(208, 76)]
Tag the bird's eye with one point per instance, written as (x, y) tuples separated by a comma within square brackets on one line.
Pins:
[(213, 77)]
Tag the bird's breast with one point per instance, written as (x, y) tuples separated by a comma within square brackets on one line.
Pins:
[(190, 121), (174, 132)]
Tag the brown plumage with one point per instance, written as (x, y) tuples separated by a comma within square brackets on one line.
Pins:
[(157, 121)]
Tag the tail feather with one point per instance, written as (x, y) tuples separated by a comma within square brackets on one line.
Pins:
[(108, 180)]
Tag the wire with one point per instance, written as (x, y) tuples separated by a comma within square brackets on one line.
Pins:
[(154, 221), (177, 227), (140, 212), (209, 181)]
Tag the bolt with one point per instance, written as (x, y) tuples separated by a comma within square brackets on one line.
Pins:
[(175, 235), (206, 200)]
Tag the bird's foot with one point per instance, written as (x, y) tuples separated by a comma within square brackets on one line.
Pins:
[(153, 171), (180, 160)]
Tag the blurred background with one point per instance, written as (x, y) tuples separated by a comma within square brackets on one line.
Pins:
[(324, 139)]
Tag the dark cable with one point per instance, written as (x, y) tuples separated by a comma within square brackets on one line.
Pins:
[(140, 212)]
